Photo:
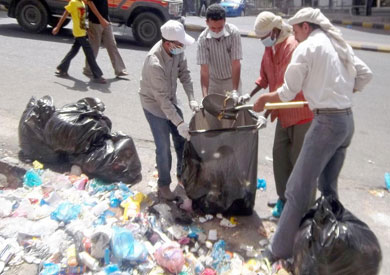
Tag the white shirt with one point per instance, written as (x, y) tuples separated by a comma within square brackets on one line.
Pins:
[(316, 69)]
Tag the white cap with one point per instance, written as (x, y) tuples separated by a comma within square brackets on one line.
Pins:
[(173, 30)]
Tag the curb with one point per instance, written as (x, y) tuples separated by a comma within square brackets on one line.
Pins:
[(354, 45), (368, 25)]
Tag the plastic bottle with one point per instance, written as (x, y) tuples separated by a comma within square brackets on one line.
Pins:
[(387, 181), (89, 261), (71, 255), (261, 184)]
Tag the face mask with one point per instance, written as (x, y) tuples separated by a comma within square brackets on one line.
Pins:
[(269, 42), (176, 51), (217, 34)]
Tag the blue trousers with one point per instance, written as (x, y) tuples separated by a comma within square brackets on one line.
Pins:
[(162, 129), (319, 163)]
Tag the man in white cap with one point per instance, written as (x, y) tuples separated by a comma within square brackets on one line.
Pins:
[(292, 125), (326, 69), (164, 64), (219, 54)]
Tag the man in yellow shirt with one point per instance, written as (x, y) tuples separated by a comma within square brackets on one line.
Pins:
[(76, 8)]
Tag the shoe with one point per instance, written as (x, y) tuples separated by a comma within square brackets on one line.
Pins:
[(100, 80), (166, 193), (87, 73), (61, 73), (122, 73), (271, 203), (277, 210)]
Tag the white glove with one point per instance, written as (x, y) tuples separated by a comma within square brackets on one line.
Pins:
[(194, 105), (235, 97), (184, 130), (244, 99)]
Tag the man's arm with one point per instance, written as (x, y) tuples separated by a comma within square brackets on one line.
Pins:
[(236, 72), (363, 74), (204, 79), (265, 98), (59, 24), (95, 11), (185, 78)]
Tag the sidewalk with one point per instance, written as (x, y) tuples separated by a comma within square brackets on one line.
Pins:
[(198, 24)]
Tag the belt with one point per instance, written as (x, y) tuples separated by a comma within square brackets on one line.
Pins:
[(332, 111)]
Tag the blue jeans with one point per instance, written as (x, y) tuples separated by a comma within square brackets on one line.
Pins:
[(161, 130), (319, 163)]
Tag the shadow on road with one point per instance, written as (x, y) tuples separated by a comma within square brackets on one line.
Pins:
[(83, 86)]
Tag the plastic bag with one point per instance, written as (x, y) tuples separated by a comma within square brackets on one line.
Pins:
[(220, 163), (331, 240), (116, 160), (75, 128), (32, 178), (31, 128), (66, 212), (170, 257), (125, 247)]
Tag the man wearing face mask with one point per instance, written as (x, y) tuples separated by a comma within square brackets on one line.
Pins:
[(292, 124), (219, 54), (164, 64)]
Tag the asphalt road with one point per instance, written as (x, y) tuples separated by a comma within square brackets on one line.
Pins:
[(28, 62)]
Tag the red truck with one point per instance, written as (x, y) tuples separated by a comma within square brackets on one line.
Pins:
[(144, 16)]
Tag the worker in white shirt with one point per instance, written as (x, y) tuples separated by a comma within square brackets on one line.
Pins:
[(326, 69)]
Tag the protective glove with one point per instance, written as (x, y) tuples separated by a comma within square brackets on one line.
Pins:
[(194, 105), (244, 99), (235, 97), (184, 130)]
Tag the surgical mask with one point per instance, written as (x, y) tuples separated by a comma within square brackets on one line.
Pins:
[(176, 51), (268, 42), (217, 34)]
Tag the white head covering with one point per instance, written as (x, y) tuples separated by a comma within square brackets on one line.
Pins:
[(173, 30), (266, 21), (343, 50)]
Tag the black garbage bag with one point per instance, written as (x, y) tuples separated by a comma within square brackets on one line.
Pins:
[(332, 241), (220, 163), (31, 130), (116, 160), (76, 127)]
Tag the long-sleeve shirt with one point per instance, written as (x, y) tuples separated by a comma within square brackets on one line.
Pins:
[(158, 83), (273, 67), (317, 70)]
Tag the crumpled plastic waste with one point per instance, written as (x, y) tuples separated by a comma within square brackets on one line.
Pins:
[(170, 257)]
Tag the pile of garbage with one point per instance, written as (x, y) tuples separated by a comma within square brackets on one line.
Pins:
[(78, 133), (70, 224)]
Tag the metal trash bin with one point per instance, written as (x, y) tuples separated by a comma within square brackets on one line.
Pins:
[(220, 163)]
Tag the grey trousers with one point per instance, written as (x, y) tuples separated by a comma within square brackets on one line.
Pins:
[(105, 37), (287, 145), (221, 86), (320, 162)]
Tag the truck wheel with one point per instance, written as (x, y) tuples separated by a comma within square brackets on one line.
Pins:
[(146, 28), (32, 15), (54, 21)]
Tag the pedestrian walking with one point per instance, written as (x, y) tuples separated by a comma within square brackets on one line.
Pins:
[(100, 33), (326, 69), (219, 54), (164, 64), (292, 124), (202, 3), (76, 8)]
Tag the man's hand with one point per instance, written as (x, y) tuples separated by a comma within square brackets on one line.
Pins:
[(244, 99), (259, 104), (184, 130), (90, 34), (104, 23), (194, 105), (55, 31), (235, 97)]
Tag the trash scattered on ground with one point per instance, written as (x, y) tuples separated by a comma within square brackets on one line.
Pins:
[(70, 224), (377, 193), (387, 181), (261, 184)]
